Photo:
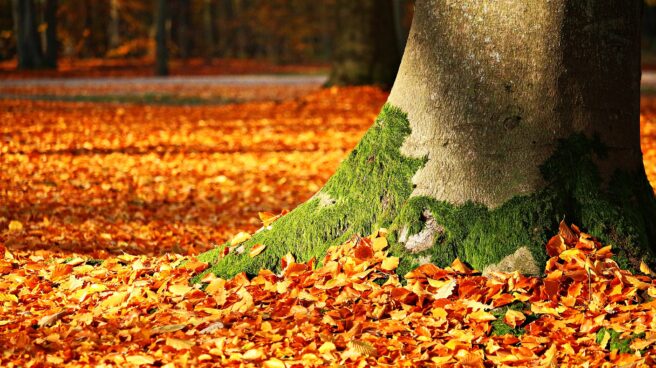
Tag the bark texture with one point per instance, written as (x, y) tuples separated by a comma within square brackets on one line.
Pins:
[(490, 87)]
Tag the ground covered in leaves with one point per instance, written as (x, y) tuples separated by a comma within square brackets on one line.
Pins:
[(93, 197), (352, 310), (114, 178)]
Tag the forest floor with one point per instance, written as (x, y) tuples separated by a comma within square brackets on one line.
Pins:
[(101, 202)]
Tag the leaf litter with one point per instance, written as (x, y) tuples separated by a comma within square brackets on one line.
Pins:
[(73, 309), (141, 311)]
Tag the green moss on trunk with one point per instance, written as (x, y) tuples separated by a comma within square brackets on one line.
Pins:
[(367, 192), (372, 189), (620, 212)]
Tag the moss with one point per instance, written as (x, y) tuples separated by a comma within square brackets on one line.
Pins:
[(620, 213), (499, 327), (616, 341), (367, 191), (372, 189)]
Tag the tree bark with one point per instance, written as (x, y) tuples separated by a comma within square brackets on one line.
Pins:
[(50, 13), (114, 24), (161, 52), (183, 28), (505, 118), (208, 23), (366, 49), (28, 43)]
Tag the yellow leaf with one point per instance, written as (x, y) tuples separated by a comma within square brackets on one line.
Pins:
[(115, 299), (240, 238), (446, 290), (362, 347), (327, 347), (179, 290), (15, 226), (645, 269), (390, 263), (604, 340), (514, 318), (379, 244), (253, 354), (571, 254), (139, 359), (215, 285), (179, 344), (8, 298), (274, 363), (256, 249), (481, 316)]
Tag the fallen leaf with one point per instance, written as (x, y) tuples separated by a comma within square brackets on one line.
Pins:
[(256, 249)]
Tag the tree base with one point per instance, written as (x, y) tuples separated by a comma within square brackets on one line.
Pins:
[(372, 189)]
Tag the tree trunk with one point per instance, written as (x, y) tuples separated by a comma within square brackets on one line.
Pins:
[(208, 23), (366, 48), (161, 52), (183, 28), (50, 13), (114, 24), (505, 118), (28, 43)]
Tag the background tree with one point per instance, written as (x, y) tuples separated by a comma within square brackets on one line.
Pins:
[(505, 119), (161, 44), (366, 47), (50, 18), (28, 43)]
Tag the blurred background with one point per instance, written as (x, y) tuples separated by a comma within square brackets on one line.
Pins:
[(361, 40)]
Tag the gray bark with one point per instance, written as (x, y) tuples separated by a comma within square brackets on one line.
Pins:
[(490, 88)]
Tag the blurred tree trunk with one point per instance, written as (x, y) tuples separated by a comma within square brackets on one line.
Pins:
[(50, 16), (366, 49), (239, 28), (161, 52), (28, 44), (183, 28), (88, 47), (208, 24), (114, 24)]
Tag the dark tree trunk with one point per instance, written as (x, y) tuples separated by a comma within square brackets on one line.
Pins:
[(183, 28), (208, 25), (28, 43), (366, 49), (114, 25), (161, 52), (50, 13)]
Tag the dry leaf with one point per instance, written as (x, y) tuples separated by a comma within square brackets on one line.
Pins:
[(256, 249)]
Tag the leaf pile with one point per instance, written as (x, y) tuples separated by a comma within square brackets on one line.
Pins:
[(97, 179), (350, 310)]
